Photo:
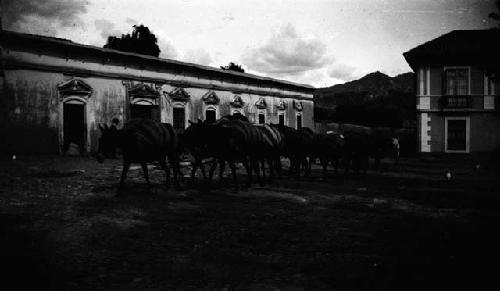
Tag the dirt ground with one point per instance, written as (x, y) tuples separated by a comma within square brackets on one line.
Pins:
[(405, 228)]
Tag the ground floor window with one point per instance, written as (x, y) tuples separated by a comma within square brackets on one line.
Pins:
[(262, 118), (210, 115), (237, 112), (457, 134), (281, 118), (143, 111), (179, 119), (74, 127), (299, 121)]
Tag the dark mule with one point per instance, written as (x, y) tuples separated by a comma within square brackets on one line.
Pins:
[(328, 148), (357, 148), (142, 141), (228, 141), (296, 147), (270, 146), (306, 136), (363, 143), (194, 142), (385, 145)]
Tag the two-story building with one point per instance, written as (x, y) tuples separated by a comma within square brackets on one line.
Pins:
[(55, 93), (457, 92)]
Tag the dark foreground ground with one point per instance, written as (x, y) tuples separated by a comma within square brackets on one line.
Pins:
[(404, 229)]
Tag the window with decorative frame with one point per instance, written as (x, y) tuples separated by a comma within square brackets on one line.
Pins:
[(262, 117), (210, 114), (179, 117), (299, 120)]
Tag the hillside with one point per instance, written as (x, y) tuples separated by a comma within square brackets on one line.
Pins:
[(375, 99), (370, 86)]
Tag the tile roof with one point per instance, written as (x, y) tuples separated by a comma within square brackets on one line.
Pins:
[(469, 46), (29, 39)]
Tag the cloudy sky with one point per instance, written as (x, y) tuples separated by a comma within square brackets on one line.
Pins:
[(318, 42)]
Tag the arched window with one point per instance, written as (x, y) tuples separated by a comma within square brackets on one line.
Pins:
[(179, 117), (262, 117), (211, 114), (236, 112), (299, 120), (281, 112), (281, 117)]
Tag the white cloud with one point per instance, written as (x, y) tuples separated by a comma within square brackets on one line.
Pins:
[(131, 21), (42, 17), (167, 49), (342, 72), (287, 53), (197, 56), (106, 28)]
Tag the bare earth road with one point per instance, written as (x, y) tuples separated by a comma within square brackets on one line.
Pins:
[(406, 228)]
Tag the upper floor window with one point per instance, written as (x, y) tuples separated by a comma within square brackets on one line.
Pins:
[(423, 79), (457, 81), (489, 86)]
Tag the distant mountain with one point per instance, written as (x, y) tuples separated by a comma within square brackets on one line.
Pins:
[(368, 87), (368, 100)]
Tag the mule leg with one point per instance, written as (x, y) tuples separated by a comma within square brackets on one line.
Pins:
[(203, 172), (211, 171), (256, 168), (270, 163), (248, 168), (194, 167), (233, 173), (175, 164), (263, 167), (277, 166), (307, 170), (335, 165), (324, 163), (146, 174), (222, 167), (126, 166), (166, 169)]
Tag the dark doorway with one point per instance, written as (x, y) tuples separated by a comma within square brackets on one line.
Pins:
[(281, 119), (299, 121), (143, 111), (74, 127), (457, 135), (262, 118), (210, 116), (179, 119)]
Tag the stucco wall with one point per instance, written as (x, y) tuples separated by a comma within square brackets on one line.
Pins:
[(484, 131), (29, 105), (33, 111)]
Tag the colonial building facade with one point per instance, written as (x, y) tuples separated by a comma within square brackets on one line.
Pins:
[(56, 92), (457, 92)]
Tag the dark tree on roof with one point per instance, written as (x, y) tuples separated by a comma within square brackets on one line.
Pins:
[(141, 41), (496, 15), (233, 67)]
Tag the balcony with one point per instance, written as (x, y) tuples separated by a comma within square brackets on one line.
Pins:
[(456, 102)]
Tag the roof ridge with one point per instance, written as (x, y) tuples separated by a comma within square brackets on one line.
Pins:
[(165, 60)]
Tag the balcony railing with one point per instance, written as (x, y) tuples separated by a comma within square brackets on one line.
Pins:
[(456, 101)]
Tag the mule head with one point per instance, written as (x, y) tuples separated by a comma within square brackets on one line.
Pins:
[(194, 137)]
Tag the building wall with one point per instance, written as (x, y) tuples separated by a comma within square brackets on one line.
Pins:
[(484, 119), (32, 104)]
